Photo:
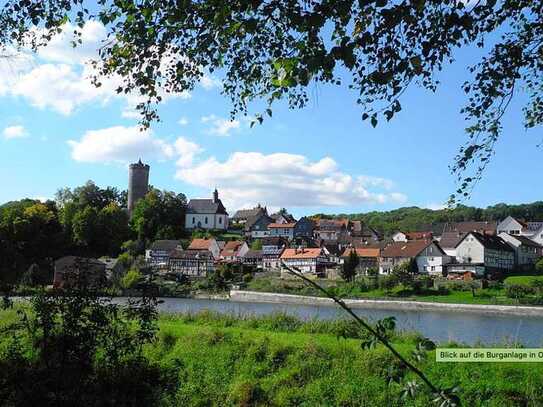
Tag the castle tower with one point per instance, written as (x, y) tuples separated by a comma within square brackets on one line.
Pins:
[(138, 184)]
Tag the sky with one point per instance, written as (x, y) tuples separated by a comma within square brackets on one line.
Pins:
[(57, 130)]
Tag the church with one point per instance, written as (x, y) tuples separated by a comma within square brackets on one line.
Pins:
[(206, 214)]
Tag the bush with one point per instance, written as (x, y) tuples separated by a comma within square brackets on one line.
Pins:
[(518, 291), (131, 279), (388, 282), (539, 266)]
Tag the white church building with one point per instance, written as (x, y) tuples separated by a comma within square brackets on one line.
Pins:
[(206, 214)]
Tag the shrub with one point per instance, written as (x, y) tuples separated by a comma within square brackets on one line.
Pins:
[(518, 291), (131, 279), (539, 266)]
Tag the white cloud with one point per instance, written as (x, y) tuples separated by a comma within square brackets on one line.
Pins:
[(283, 179), (60, 48), (12, 132), (220, 126), (120, 144), (209, 82), (187, 151), (183, 121), (59, 78)]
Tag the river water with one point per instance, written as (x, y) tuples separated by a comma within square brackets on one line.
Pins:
[(441, 326)]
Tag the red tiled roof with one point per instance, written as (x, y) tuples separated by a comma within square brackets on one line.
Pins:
[(362, 252), (418, 235), (231, 248), (308, 253), (200, 244), (281, 225)]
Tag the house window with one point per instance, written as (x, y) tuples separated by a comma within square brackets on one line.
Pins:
[(193, 220), (205, 220), (220, 220)]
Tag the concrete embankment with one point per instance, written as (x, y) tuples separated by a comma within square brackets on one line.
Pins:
[(254, 296)]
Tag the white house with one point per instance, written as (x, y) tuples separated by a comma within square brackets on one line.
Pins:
[(399, 237), (511, 226), (429, 257), (206, 214), (158, 254), (209, 245), (527, 252), (481, 253), (534, 231), (285, 230), (234, 250), (307, 260)]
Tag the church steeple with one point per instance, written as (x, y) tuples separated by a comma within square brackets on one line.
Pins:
[(216, 196)]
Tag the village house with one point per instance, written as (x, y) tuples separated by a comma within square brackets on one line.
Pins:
[(209, 245), (158, 254), (253, 258), (282, 217), (429, 257), (449, 241), (531, 230), (364, 232), (192, 263), (114, 268), (483, 255), (331, 229), (234, 250), (311, 260), (527, 252), (285, 230), (79, 272), (272, 248), (243, 215), (209, 214), (368, 258), (257, 226), (463, 228), (304, 228)]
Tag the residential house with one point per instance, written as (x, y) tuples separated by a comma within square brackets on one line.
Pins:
[(400, 236), (234, 250), (304, 228), (331, 229), (158, 254), (531, 230), (429, 257), (367, 234), (285, 230), (333, 250), (527, 252), (272, 248), (257, 226), (312, 260), (253, 258), (79, 272), (282, 217), (210, 245), (206, 214), (368, 258), (192, 263), (449, 241), (483, 255), (243, 215), (511, 226)]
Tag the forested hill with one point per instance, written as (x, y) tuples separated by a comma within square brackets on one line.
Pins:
[(414, 218)]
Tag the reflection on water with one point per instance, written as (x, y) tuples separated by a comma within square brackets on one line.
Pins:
[(440, 326)]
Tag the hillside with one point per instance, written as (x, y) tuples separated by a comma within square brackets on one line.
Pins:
[(415, 218)]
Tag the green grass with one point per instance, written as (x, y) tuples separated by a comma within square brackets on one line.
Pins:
[(355, 290), (522, 280), (278, 360), (226, 362)]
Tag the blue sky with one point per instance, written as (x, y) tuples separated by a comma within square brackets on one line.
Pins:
[(56, 131)]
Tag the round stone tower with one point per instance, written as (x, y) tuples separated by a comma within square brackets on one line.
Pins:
[(138, 184)]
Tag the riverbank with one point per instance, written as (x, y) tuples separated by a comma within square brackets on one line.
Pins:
[(398, 305)]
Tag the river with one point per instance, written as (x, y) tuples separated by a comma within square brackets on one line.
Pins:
[(440, 326)]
